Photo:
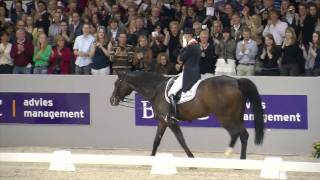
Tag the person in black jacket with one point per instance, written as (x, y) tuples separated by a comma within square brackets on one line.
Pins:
[(208, 58), (190, 56)]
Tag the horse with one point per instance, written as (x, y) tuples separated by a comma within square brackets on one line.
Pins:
[(223, 96)]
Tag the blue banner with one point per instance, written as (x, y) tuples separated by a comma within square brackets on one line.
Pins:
[(281, 112), (45, 108)]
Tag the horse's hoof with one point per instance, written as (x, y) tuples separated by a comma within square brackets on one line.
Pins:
[(228, 152)]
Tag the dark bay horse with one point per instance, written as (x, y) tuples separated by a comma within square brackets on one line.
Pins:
[(223, 96)]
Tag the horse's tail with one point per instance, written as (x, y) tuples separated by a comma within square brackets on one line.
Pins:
[(250, 92)]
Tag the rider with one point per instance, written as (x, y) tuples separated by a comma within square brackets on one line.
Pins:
[(190, 56)]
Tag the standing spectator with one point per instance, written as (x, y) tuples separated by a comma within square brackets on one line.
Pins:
[(256, 29), (246, 52), (156, 43), (100, 55), (61, 57), (172, 41), (292, 54), (54, 28), (113, 30), (292, 18), (154, 19), (237, 27), (216, 31), (143, 55), (64, 32), (5, 58), (307, 22), (20, 25), (41, 55), (310, 53), (200, 10), (197, 27), (30, 25), (164, 66), (269, 57), (141, 30), (189, 19), (121, 54), (21, 53), (75, 28), (275, 27), (42, 16), (226, 16), (81, 49), (225, 50), (17, 12), (208, 60)]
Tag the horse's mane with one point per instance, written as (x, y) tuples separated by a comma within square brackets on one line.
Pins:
[(146, 82)]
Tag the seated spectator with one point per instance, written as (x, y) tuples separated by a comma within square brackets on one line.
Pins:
[(292, 55), (189, 19), (22, 53), (143, 55), (197, 27), (6, 61), (42, 16), (113, 30), (100, 55), (225, 50), (75, 27), (54, 28), (121, 54), (269, 57), (81, 49), (310, 53), (172, 41), (208, 59), (64, 32), (17, 12), (20, 25), (216, 31), (42, 52), (275, 27), (256, 29), (61, 57), (291, 17), (156, 43), (164, 66), (237, 27), (141, 30), (246, 52)]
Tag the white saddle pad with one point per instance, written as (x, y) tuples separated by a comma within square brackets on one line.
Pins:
[(185, 96)]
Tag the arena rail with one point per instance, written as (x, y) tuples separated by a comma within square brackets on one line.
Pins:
[(163, 163)]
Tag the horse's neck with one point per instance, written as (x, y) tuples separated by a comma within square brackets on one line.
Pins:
[(148, 89)]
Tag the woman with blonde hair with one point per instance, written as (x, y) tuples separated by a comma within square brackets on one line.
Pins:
[(164, 66), (143, 55), (292, 57), (100, 55), (255, 25), (41, 55)]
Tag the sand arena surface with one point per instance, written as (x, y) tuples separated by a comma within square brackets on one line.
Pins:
[(39, 171)]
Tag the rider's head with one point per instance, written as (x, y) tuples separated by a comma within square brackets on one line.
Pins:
[(187, 36)]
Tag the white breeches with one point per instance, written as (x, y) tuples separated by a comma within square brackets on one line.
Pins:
[(177, 85)]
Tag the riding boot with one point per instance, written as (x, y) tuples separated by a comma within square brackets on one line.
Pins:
[(173, 114)]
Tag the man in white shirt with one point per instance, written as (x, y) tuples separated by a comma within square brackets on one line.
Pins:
[(275, 27), (81, 49)]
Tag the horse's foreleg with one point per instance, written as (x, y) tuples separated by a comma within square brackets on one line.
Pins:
[(178, 133), (162, 126), (244, 136)]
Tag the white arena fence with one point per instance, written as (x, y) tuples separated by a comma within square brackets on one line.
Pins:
[(163, 163)]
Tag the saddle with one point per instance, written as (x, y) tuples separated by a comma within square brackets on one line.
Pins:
[(182, 97)]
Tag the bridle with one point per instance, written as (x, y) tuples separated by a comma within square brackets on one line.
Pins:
[(125, 99)]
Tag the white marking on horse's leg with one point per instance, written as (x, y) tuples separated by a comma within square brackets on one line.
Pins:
[(228, 152)]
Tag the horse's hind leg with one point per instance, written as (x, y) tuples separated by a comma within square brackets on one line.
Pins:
[(162, 126), (244, 136), (178, 133), (234, 134)]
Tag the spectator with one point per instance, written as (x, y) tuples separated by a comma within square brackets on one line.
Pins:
[(17, 12), (81, 49), (132, 37), (216, 31), (113, 30), (42, 52), (172, 41), (54, 28), (75, 28), (42, 16), (30, 25), (154, 19), (246, 52), (208, 59), (292, 18), (236, 28), (226, 16), (292, 54), (143, 55), (156, 44), (197, 30), (256, 29), (121, 54), (310, 53), (189, 19), (100, 55), (275, 27), (64, 32), (225, 50), (5, 58), (307, 22), (140, 29), (20, 25), (200, 10), (21, 53), (164, 66), (269, 57), (61, 57)]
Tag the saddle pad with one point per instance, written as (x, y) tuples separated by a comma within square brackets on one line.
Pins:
[(185, 96)]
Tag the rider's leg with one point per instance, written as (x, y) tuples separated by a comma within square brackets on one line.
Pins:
[(176, 87)]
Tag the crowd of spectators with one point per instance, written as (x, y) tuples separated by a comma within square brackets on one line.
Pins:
[(236, 37)]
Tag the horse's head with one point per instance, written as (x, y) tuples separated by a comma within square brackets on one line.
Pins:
[(121, 89)]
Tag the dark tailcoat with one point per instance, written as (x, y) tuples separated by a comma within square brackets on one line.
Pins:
[(190, 57)]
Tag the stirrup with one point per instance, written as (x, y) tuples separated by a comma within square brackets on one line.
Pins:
[(173, 108)]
